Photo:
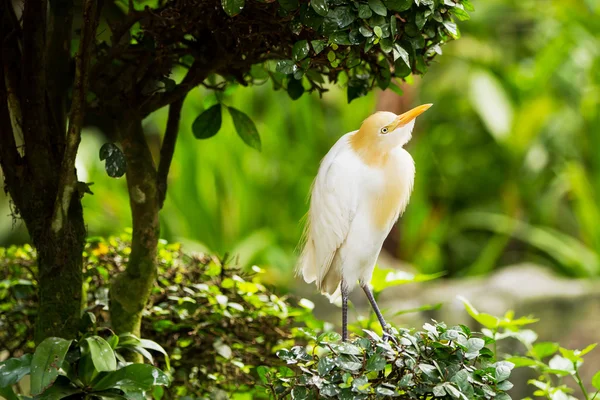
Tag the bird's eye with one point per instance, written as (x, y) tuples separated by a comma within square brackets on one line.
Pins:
[(384, 130)]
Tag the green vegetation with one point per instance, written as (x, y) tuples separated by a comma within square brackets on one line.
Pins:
[(222, 333)]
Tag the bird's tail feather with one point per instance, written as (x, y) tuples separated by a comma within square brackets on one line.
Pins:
[(307, 266)]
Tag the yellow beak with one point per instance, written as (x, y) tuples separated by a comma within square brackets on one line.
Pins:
[(408, 116)]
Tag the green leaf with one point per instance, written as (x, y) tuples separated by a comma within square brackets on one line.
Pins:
[(399, 52), (325, 365), (364, 11), (115, 164), (375, 363), (232, 7), (329, 337), (475, 344), (295, 89), (152, 345), (208, 123), (503, 369), (378, 31), (300, 50), (388, 277), (102, 354), (452, 29), (320, 7), (348, 363), (14, 369), (398, 5), (317, 45), (8, 393), (61, 389), (461, 14), (544, 349), (286, 67), (524, 362), (262, 372), (245, 128), (596, 381), (487, 320), (348, 348), (46, 362), (393, 26), (378, 7), (342, 16), (133, 377), (288, 5), (587, 349), (340, 37)]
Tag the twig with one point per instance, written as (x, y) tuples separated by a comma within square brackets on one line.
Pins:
[(68, 179), (167, 149)]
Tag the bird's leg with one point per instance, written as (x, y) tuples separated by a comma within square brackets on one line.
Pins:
[(375, 307), (344, 290)]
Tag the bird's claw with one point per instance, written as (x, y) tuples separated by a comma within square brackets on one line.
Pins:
[(387, 335)]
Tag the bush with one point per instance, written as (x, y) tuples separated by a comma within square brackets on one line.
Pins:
[(89, 368), (228, 336), (439, 362), (216, 321)]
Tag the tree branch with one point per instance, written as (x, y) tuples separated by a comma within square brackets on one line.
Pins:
[(10, 159), (68, 178), (167, 149), (59, 55), (195, 75), (33, 79)]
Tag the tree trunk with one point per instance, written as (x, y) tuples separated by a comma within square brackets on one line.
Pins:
[(131, 289), (60, 274)]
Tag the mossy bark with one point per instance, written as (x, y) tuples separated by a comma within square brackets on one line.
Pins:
[(131, 289), (60, 275)]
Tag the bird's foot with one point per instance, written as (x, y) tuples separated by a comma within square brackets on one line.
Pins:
[(388, 334)]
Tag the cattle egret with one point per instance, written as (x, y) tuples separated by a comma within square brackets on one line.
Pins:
[(362, 187)]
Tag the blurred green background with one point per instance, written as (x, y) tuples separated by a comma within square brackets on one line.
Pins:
[(507, 159)]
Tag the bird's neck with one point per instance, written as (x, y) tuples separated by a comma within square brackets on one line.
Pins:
[(370, 151)]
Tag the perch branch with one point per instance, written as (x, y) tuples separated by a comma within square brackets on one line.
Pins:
[(68, 179), (167, 149)]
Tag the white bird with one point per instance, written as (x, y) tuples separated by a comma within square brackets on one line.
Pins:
[(362, 187)]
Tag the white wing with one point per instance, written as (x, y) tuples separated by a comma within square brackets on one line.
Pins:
[(333, 205)]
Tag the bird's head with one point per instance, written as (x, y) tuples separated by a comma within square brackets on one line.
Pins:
[(382, 132), (391, 130)]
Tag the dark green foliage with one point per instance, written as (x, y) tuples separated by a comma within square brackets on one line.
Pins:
[(449, 363), (208, 123), (79, 370), (215, 321), (115, 160)]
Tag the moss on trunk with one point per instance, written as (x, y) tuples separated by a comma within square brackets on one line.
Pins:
[(131, 289)]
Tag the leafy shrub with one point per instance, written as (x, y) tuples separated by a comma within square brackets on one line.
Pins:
[(216, 321), (438, 362), (90, 368)]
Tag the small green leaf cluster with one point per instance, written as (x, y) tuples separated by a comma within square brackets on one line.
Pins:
[(90, 368), (440, 361), (208, 124)]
